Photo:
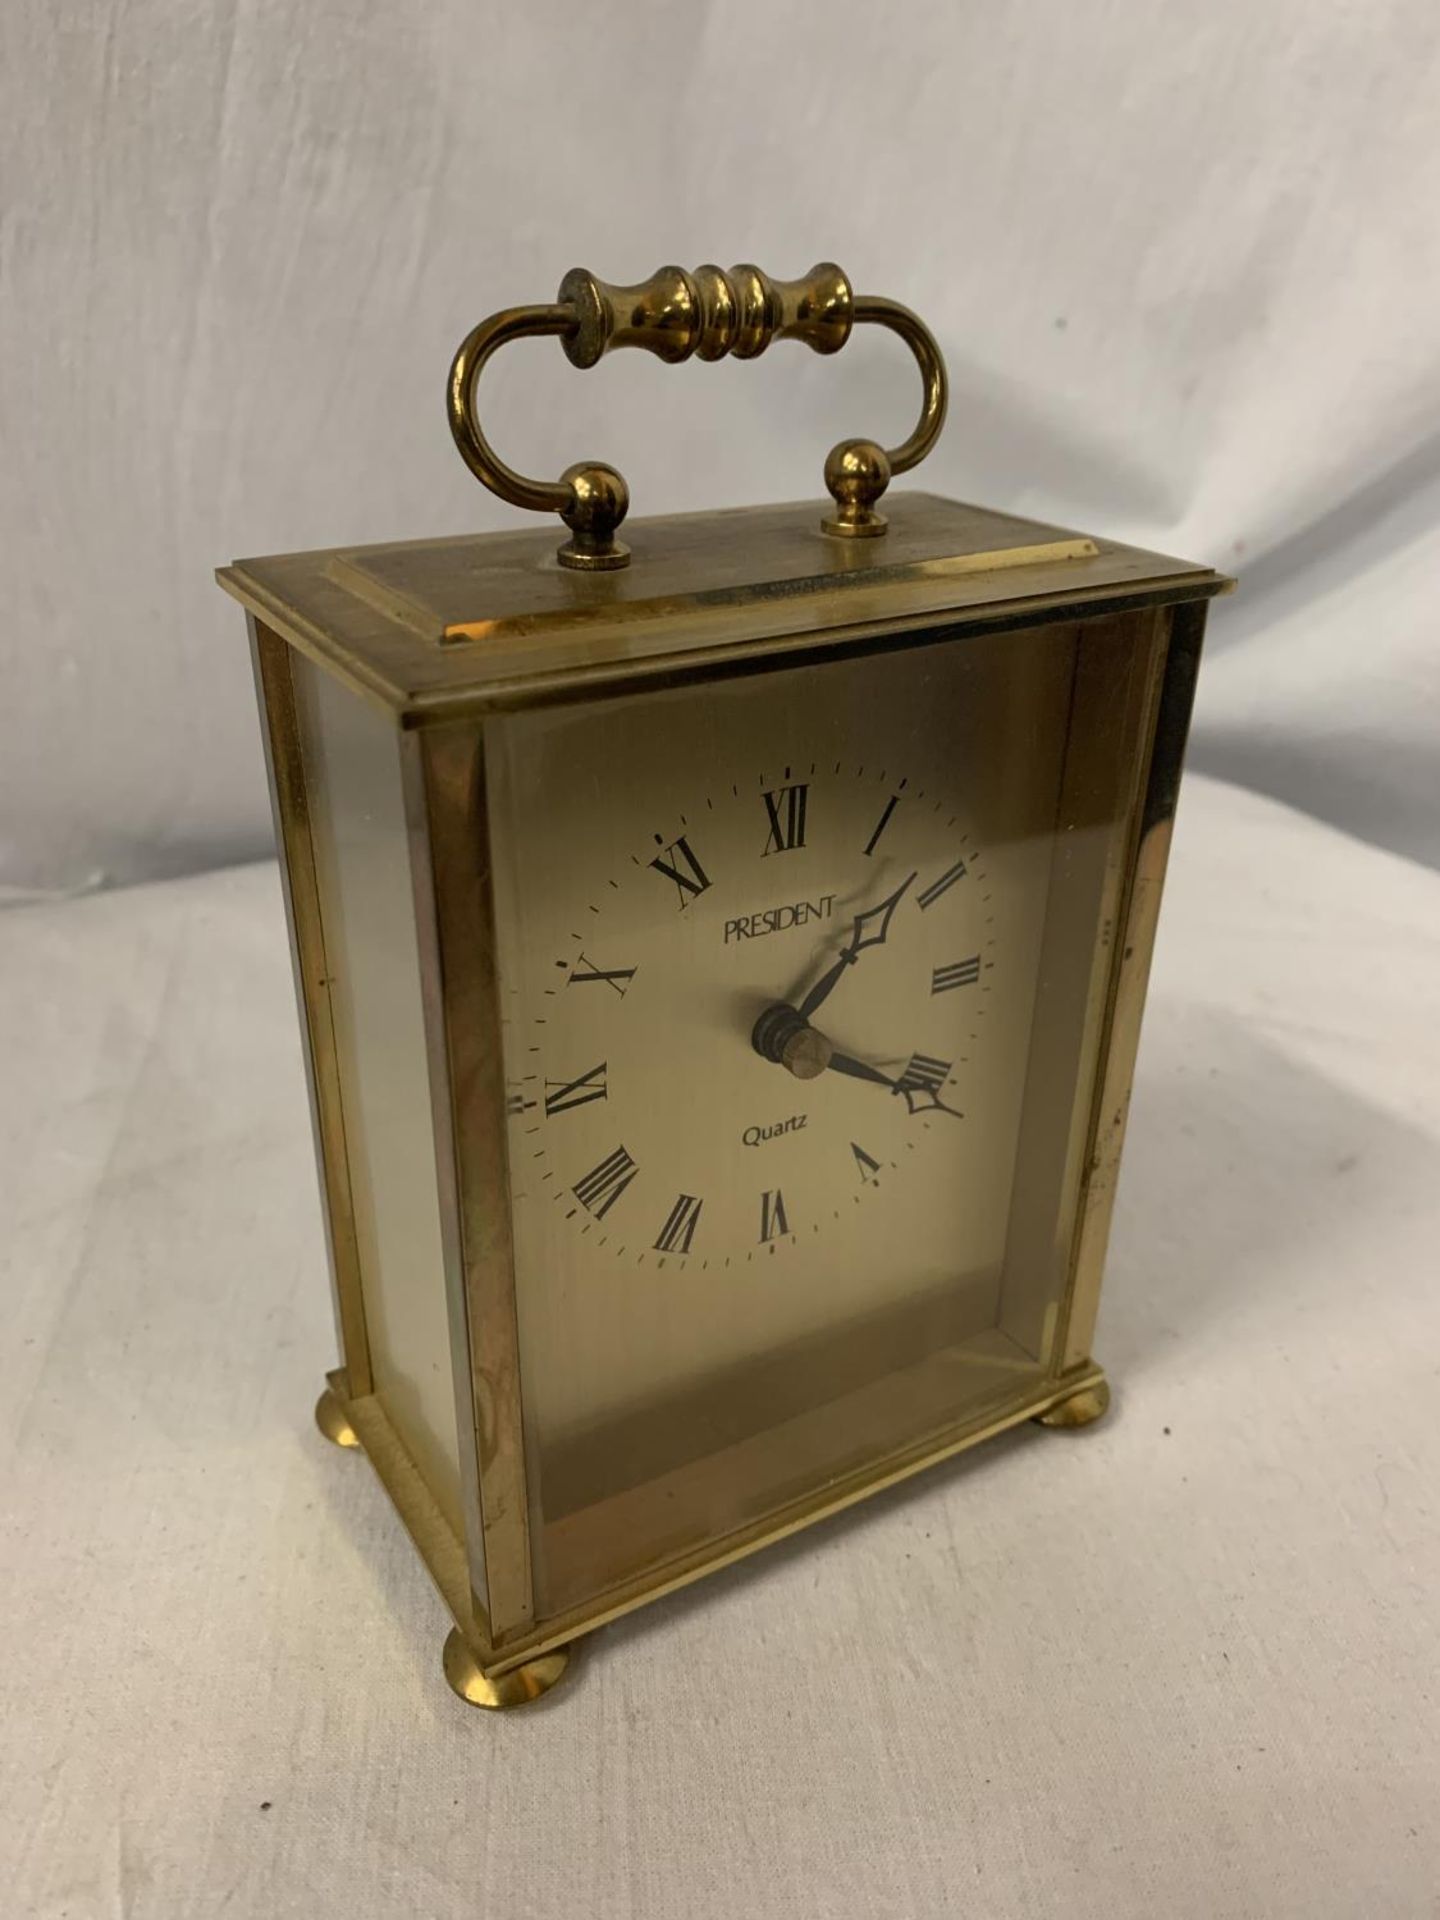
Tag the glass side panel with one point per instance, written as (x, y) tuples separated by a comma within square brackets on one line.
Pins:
[(738, 1277), (357, 823)]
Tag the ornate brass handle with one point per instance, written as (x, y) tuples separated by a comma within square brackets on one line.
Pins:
[(673, 315)]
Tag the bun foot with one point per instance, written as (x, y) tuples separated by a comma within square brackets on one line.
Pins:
[(1082, 1409), (517, 1688), (333, 1421)]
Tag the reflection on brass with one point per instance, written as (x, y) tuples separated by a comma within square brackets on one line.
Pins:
[(443, 1555), (333, 1421), (1081, 1409), (1140, 883), (290, 803), (437, 630), (516, 1687), (708, 313), (1118, 669), (984, 1421), (465, 1021)]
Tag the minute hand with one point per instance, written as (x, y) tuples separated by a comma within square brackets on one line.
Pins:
[(849, 953), (919, 1085), (861, 1070)]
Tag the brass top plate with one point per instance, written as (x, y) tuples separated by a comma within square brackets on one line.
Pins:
[(435, 628)]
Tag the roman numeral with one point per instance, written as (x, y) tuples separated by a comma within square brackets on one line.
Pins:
[(562, 1095), (947, 880), (960, 973), (515, 1101), (867, 1168), (786, 811), (883, 821), (682, 867), (921, 1083), (603, 1185), (679, 1228), (619, 978), (772, 1216)]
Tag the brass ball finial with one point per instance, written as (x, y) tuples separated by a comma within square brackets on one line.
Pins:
[(599, 501), (857, 472)]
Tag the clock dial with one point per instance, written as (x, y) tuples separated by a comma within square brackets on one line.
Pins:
[(799, 969), (768, 954)]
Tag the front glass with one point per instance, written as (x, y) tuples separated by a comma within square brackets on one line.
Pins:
[(742, 1277)]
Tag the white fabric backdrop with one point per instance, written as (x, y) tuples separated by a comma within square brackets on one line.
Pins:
[(1183, 259)]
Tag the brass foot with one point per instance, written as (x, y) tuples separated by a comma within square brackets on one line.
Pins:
[(513, 1689), (334, 1422), (1080, 1410)]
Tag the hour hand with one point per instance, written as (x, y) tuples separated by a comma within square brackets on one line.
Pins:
[(862, 934)]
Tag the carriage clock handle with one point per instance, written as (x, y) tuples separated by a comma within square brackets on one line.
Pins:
[(673, 315)]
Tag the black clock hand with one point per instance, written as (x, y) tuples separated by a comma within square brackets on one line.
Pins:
[(783, 1035), (856, 944), (861, 1070), (822, 988), (919, 1085)]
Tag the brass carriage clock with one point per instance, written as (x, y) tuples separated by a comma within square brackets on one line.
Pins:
[(721, 963)]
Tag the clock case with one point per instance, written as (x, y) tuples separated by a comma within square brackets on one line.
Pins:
[(427, 638)]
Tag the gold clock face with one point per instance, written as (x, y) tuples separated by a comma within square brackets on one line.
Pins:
[(798, 968), (768, 959)]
